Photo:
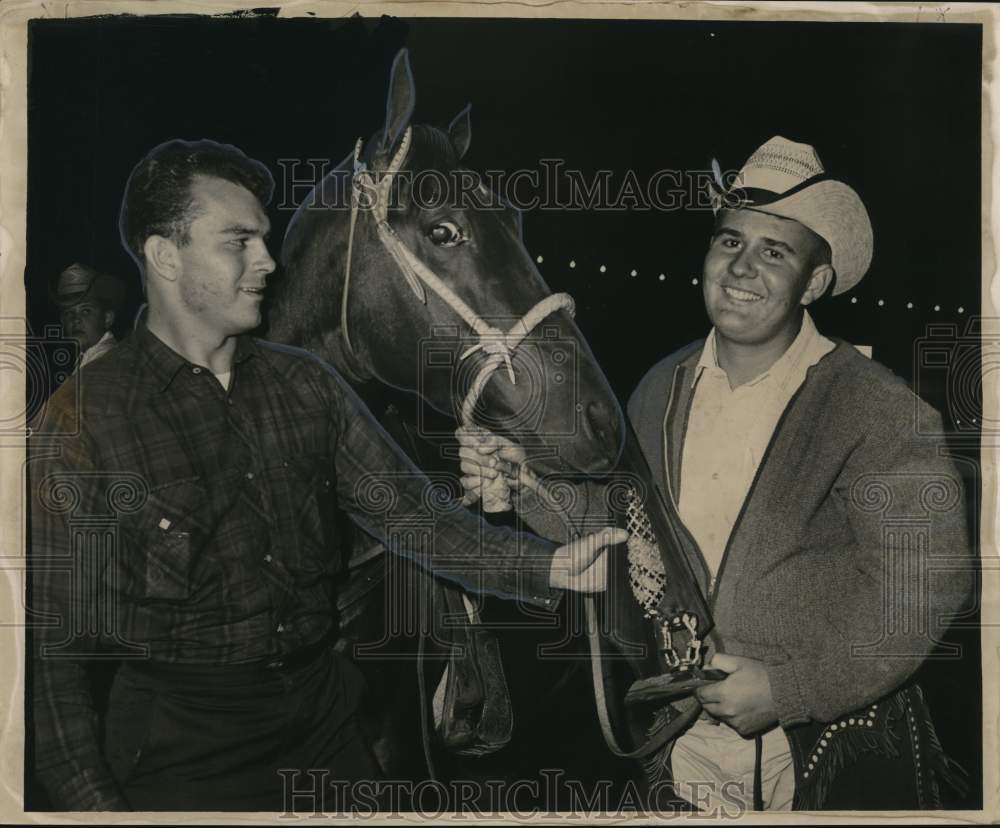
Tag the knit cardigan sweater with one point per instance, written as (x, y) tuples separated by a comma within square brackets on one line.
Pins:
[(852, 546)]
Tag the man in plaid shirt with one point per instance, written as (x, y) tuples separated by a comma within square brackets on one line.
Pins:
[(183, 521)]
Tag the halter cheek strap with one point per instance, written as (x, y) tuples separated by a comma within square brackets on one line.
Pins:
[(498, 344)]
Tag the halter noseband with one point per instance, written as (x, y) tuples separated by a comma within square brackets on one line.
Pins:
[(498, 344)]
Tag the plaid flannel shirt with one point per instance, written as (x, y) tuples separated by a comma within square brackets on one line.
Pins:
[(176, 521)]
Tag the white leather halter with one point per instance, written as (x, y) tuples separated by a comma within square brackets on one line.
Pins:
[(499, 345)]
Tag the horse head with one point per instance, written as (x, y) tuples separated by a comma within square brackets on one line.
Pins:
[(402, 266)]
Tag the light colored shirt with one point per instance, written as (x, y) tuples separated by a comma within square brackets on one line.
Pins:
[(728, 432), (98, 349)]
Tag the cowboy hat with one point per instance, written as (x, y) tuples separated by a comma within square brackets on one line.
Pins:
[(787, 179), (78, 283)]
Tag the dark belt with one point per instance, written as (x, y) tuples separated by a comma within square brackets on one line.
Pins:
[(273, 665)]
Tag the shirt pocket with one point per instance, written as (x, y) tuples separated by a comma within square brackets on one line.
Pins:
[(164, 539)]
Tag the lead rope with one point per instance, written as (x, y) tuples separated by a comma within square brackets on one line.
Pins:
[(660, 736), (652, 568), (529, 479), (350, 248)]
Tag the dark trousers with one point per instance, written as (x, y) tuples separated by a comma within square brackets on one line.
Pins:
[(238, 740)]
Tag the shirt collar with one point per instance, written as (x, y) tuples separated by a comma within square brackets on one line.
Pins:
[(806, 342), (105, 343), (107, 338), (708, 358), (163, 362)]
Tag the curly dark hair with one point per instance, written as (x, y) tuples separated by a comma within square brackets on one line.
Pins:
[(158, 199)]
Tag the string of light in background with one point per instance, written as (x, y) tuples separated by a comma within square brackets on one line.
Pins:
[(662, 277)]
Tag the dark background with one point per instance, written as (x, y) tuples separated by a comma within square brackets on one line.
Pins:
[(892, 109)]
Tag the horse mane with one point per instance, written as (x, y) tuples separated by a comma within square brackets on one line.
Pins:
[(431, 145), (306, 281)]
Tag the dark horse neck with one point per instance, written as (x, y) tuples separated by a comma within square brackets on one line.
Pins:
[(334, 349), (306, 308)]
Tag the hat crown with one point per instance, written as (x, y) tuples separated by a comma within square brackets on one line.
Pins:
[(779, 165), (77, 278), (78, 283)]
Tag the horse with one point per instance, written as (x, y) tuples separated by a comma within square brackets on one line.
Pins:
[(343, 297), (403, 270)]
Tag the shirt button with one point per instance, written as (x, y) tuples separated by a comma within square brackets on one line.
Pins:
[(268, 558), (229, 401), (196, 370), (249, 475)]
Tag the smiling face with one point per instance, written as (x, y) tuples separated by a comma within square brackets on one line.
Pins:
[(759, 272), (224, 265)]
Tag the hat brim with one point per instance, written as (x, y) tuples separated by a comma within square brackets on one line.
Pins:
[(835, 212)]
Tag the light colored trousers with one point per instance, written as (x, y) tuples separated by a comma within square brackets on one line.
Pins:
[(713, 769)]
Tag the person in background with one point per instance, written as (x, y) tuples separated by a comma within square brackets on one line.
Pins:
[(89, 301)]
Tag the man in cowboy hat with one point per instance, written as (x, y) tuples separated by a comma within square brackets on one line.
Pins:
[(783, 452), (88, 302)]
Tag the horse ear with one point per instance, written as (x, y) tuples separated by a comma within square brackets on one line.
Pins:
[(402, 99), (460, 131)]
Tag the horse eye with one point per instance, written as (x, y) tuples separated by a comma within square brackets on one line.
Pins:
[(446, 234)]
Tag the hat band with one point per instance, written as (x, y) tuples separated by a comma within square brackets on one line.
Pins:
[(740, 197)]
